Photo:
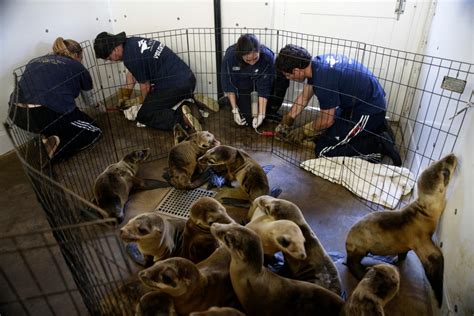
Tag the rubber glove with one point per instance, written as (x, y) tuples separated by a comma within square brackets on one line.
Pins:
[(257, 121), (238, 119)]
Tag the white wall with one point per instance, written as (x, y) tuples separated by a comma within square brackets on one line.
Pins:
[(451, 36)]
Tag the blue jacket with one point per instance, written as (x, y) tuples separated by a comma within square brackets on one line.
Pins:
[(53, 81), (150, 60), (235, 77), (342, 82)]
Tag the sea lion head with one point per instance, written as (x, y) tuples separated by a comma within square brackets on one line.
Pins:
[(279, 209), (204, 140), (288, 238), (144, 226), (384, 280), (173, 276), (218, 155), (206, 211), (436, 177), (137, 156), (243, 243), (155, 303)]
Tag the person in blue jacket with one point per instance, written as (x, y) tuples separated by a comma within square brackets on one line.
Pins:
[(248, 66), (352, 105), (165, 80), (44, 100)]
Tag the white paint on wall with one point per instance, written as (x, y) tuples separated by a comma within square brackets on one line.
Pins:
[(451, 36)]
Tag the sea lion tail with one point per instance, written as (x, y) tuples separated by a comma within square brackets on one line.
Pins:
[(433, 262)]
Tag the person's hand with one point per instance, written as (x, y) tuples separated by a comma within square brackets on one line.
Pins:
[(238, 119), (301, 133), (257, 121), (283, 128)]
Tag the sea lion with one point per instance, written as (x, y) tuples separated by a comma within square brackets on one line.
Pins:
[(411, 228), (182, 160), (379, 285), (157, 235), (318, 267), (263, 292), (198, 242), (155, 303), (279, 235), (193, 288), (240, 167), (123, 299), (112, 187), (219, 311)]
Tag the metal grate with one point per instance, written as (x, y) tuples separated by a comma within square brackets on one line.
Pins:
[(178, 202)]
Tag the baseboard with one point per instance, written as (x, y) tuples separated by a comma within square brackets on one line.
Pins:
[(5, 143)]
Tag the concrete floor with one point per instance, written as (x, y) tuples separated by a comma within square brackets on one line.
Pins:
[(330, 210)]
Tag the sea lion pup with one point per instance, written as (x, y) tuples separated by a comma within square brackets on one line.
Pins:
[(279, 235), (263, 292), (379, 285), (157, 235), (198, 242), (240, 167), (318, 267), (123, 299), (219, 311), (193, 287), (411, 228), (155, 303), (182, 160), (112, 187)]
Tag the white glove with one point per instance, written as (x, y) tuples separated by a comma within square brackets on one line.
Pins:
[(239, 120), (257, 121)]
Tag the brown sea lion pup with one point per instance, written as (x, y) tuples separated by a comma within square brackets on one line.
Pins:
[(379, 285), (157, 235), (240, 167), (263, 292), (411, 228), (198, 242), (112, 187), (192, 287), (219, 311), (155, 303), (318, 267), (123, 299), (279, 235), (185, 172)]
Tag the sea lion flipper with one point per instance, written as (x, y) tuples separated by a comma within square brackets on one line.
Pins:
[(236, 202), (149, 184), (432, 260)]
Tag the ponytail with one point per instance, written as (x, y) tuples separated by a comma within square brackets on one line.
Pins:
[(69, 48)]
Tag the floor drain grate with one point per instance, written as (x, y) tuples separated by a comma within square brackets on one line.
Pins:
[(178, 202)]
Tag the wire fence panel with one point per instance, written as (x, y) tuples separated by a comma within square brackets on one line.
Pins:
[(425, 101)]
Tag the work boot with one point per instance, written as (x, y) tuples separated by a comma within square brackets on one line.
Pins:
[(207, 102), (190, 116), (389, 149)]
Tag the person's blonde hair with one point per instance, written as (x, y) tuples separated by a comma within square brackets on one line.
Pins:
[(67, 47)]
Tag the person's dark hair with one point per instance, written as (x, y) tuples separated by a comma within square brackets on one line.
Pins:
[(246, 44), (105, 43), (291, 57)]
